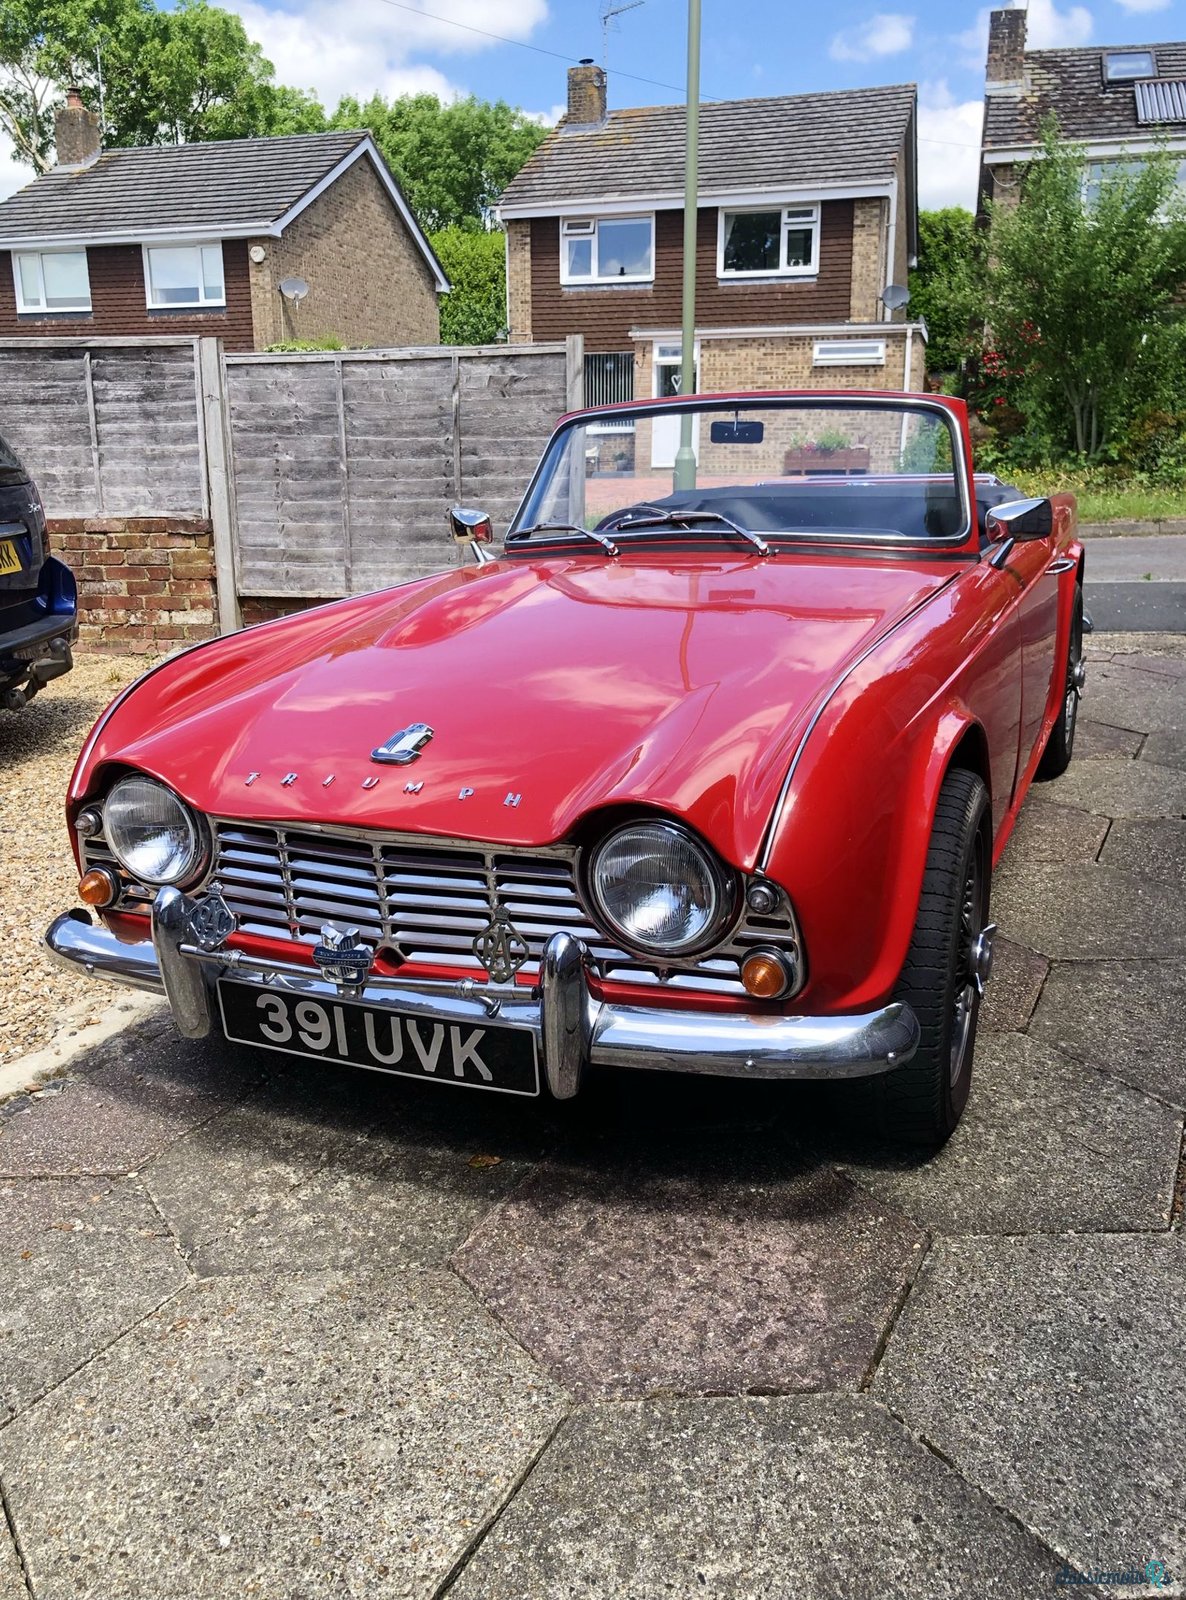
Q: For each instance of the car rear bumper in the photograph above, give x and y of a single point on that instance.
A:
(36, 634)
(573, 1028)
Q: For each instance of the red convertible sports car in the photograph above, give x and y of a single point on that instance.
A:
(706, 771)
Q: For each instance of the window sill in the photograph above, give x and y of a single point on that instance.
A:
(188, 311)
(610, 283)
(768, 277)
(72, 314)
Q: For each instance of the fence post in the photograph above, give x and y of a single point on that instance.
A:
(574, 356)
(218, 478)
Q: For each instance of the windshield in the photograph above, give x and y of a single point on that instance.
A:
(796, 467)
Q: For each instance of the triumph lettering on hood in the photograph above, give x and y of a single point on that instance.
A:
(552, 691)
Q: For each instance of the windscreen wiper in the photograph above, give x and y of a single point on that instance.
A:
(607, 545)
(675, 519)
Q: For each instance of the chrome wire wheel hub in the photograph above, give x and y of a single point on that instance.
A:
(1076, 679)
(975, 946)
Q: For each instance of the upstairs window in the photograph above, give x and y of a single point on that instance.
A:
(1097, 173)
(607, 250)
(779, 242)
(52, 280)
(1122, 66)
(183, 275)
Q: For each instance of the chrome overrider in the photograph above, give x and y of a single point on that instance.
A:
(573, 1029)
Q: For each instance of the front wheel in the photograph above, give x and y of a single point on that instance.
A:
(946, 968)
(1060, 746)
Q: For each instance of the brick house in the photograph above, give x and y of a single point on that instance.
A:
(808, 211)
(1118, 102)
(198, 238)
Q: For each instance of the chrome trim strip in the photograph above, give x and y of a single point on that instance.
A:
(763, 862)
(573, 1028)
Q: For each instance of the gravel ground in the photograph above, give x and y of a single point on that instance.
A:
(38, 747)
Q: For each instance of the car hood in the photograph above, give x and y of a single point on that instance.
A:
(553, 687)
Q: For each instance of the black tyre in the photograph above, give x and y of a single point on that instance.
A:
(947, 965)
(1060, 746)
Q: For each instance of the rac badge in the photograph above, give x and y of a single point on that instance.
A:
(403, 747)
(342, 958)
(500, 948)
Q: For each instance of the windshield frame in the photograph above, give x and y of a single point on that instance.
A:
(770, 399)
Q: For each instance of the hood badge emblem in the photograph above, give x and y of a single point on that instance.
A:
(403, 747)
(500, 947)
(343, 959)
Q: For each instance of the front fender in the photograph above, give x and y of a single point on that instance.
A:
(851, 841)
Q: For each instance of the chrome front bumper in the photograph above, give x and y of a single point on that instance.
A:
(573, 1029)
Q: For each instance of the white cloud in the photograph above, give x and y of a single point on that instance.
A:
(547, 119)
(14, 174)
(886, 34)
(1047, 28)
(1145, 5)
(369, 47)
(948, 147)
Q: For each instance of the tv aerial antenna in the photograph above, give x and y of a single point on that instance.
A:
(611, 10)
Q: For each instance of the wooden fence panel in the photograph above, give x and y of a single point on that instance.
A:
(344, 466)
(106, 427)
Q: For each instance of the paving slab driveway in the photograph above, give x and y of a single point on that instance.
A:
(279, 1331)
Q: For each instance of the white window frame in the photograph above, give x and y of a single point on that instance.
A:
(795, 215)
(202, 303)
(41, 309)
(587, 228)
(849, 353)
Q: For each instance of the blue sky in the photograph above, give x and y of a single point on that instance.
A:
(750, 47)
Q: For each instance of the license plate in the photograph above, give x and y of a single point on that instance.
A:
(10, 561)
(499, 1059)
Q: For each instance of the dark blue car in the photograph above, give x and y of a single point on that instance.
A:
(38, 599)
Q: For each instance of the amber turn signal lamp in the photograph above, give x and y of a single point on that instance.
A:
(98, 887)
(765, 974)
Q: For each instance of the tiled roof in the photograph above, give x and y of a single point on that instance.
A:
(219, 186)
(1070, 83)
(848, 135)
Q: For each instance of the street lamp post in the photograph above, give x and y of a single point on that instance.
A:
(685, 458)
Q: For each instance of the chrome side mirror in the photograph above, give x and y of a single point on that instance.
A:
(1020, 519)
(472, 528)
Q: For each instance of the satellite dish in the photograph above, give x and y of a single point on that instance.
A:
(294, 289)
(893, 296)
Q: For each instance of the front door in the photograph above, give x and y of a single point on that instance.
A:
(665, 430)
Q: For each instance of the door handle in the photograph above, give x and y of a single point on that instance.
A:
(1062, 564)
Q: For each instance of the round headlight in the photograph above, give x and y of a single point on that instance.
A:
(657, 887)
(152, 833)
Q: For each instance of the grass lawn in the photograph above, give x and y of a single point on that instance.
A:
(1101, 501)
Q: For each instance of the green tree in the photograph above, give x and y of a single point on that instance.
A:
(452, 161)
(168, 76)
(1083, 300)
(947, 286)
(475, 264)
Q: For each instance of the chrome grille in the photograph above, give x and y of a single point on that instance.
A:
(426, 901)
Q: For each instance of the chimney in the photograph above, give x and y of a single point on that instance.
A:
(76, 134)
(586, 95)
(1006, 49)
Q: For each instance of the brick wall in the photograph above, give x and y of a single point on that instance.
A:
(868, 260)
(519, 280)
(145, 584)
(369, 285)
(118, 307)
